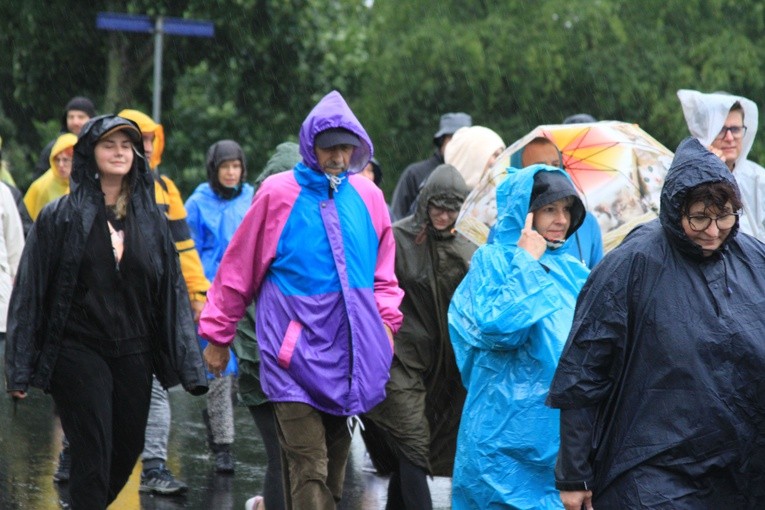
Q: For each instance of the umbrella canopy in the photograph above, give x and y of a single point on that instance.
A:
(617, 168)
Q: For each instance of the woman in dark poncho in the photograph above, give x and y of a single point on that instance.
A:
(99, 305)
(661, 382)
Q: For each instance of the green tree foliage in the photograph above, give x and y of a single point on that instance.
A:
(401, 64)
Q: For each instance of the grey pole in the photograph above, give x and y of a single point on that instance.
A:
(157, 107)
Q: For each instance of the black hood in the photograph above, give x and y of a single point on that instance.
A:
(550, 187)
(224, 150)
(84, 169)
(692, 166)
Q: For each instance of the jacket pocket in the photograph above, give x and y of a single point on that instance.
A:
(289, 342)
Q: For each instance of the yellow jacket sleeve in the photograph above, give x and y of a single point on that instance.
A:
(170, 201)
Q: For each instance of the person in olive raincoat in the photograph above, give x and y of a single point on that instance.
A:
(508, 322)
(661, 384)
(420, 416)
(98, 306)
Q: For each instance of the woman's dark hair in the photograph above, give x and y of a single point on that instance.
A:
(713, 194)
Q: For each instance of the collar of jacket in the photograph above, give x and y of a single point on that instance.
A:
(316, 181)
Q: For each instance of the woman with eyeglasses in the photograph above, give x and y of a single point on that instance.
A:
(661, 384)
(728, 124)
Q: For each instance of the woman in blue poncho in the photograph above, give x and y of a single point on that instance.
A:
(508, 322)
(215, 210)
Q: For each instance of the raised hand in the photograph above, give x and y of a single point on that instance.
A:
(530, 239)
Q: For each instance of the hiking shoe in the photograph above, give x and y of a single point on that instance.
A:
(161, 481)
(64, 467)
(224, 461)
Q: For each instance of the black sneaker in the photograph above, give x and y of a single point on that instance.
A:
(160, 481)
(64, 467)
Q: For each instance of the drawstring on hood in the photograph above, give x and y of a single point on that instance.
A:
(335, 180)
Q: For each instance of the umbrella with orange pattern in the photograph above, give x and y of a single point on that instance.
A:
(617, 167)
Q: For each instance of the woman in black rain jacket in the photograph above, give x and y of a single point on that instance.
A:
(99, 304)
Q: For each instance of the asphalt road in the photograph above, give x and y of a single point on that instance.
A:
(30, 442)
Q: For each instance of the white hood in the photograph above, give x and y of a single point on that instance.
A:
(705, 115)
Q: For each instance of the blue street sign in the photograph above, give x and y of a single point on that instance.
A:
(137, 23)
(188, 27)
(124, 22)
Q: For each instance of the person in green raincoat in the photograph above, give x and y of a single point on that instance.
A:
(508, 322)
(413, 432)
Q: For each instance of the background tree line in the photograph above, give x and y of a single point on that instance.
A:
(400, 63)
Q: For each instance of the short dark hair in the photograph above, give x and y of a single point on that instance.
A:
(712, 194)
(737, 108)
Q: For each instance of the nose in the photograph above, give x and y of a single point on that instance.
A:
(728, 135)
(712, 230)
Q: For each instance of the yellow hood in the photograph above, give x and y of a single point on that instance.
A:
(147, 125)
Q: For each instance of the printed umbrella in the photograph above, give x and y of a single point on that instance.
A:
(617, 167)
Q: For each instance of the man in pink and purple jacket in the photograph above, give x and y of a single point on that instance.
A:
(317, 251)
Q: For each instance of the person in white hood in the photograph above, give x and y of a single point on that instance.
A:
(728, 123)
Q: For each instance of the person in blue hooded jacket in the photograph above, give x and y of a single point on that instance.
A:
(661, 384)
(508, 322)
(587, 243)
(215, 210)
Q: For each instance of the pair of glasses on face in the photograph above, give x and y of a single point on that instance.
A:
(735, 131)
(723, 222)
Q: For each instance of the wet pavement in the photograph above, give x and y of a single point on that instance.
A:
(30, 441)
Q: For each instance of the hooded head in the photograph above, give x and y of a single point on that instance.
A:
(84, 168)
(63, 148)
(706, 114)
(147, 126)
(77, 112)
(285, 157)
(472, 150)
(527, 190)
(445, 189)
(217, 154)
(331, 113)
(692, 167)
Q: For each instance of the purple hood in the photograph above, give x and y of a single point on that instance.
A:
(333, 112)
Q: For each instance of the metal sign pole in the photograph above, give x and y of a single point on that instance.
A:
(157, 107)
(162, 25)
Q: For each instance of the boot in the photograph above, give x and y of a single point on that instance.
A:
(224, 459)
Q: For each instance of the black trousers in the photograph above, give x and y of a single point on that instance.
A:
(273, 490)
(103, 403)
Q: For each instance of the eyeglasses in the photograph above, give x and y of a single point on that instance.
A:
(736, 131)
(438, 211)
(62, 161)
(700, 223)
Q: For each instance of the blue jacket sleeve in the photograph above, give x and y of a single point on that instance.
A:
(505, 292)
